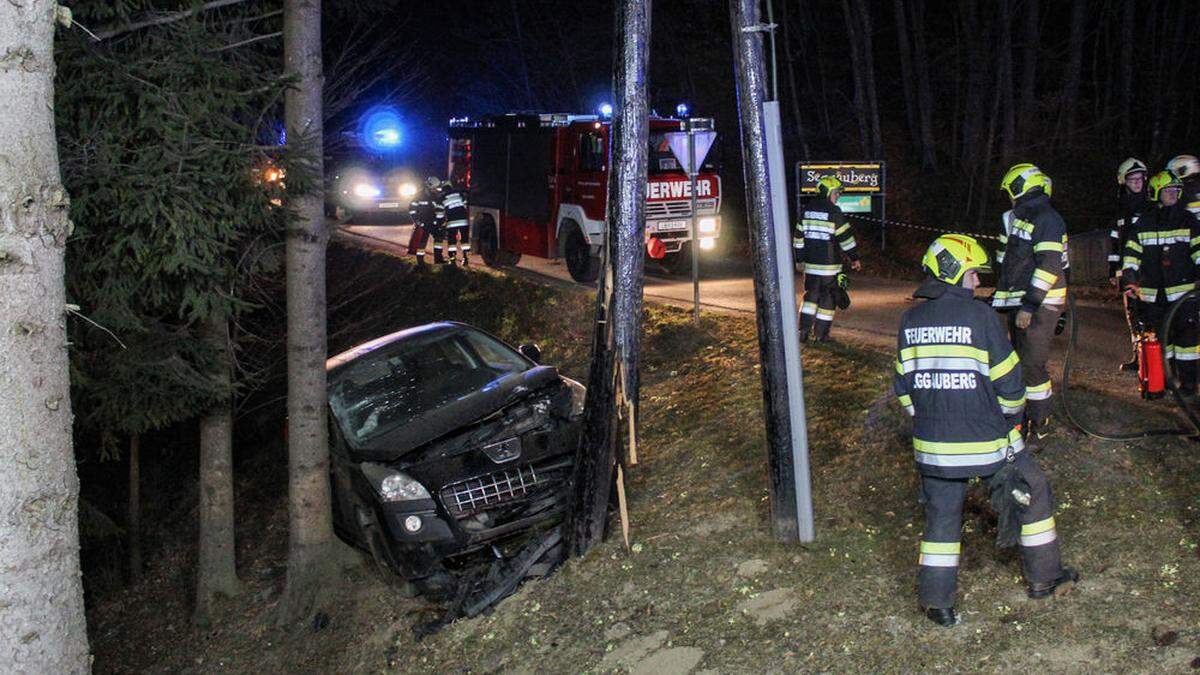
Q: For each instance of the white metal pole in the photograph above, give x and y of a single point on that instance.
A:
(791, 346)
(695, 246)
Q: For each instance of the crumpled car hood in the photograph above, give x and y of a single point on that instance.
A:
(457, 414)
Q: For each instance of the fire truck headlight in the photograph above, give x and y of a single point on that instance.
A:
(366, 190)
(408, 190)
(707, 226)
(708, 243)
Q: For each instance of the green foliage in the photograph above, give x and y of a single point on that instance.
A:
(163, 134)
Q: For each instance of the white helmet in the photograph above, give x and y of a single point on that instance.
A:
(1131, 165)
(1184, 165)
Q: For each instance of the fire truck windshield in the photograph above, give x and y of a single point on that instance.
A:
(662, 160)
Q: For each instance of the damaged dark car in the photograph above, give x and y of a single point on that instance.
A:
(448, 447)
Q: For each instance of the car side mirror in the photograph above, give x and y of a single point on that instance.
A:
(531, 351)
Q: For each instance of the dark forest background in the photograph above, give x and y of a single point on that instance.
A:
(948, 93)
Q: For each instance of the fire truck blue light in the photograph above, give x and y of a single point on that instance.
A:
(606, 110)
(681, 110)
(380, 129)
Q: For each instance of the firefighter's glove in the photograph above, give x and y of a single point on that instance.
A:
(1024, 318)
(1009, 494)
(1061, 325)
(856, 265)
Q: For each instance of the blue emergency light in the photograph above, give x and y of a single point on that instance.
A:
(606, 110)
(380, 129)
(681, 110)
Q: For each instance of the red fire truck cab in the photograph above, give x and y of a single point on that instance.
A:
(537, 185)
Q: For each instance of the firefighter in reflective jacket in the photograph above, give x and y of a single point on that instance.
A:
(1187, 168)
(1160, 267)
(1131, 176)
(1031, 286)
(426, 215)
(960, 379)
(457, 230)
(821, 239)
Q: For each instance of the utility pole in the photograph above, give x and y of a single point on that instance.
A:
(613, 378)
(774, 286)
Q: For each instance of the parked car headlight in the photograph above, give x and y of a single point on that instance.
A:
(392, 485)
(578, 396)
(408, 190)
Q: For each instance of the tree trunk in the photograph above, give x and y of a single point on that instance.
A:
(1005, 73)
(612, 379)
(133, 509)
(924, 89)
(310, 520)
(216, 571)
(1074, 71)
(976, 74)
(868, 56)
(860, 94)
(1029, 61)
(43, 630)
(1128, 10)
(907, 81)
(794, 91)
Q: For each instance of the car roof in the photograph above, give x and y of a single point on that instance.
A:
(365, 348)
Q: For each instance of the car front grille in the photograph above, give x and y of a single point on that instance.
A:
(678, 209)
(470, 496)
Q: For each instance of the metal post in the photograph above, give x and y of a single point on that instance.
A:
(786, 273)
(882, 206)
(692, 172)
(773, 333)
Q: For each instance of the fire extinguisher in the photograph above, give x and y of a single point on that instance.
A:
(1151, 379)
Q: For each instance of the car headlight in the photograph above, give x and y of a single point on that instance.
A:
(392, 485)
(708, 225)
(408, 190)
(578, 396)
(366, 190)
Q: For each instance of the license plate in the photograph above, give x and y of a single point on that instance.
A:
(671, 225)
(389, 205)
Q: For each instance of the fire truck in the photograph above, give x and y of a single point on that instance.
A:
(537, 185)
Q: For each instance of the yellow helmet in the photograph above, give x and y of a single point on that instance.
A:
(1131, 165)
(951, 255)
(1161, 181)
(827, 185)
(1024, 178)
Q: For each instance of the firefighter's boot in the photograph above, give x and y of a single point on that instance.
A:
(942, 616)
(438, 258)
(1045, 590)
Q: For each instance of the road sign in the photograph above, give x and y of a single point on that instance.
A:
(854, 203)
(678, 140)
(858, 177)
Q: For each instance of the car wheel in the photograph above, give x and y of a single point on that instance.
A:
(489, 247)
(583, 266)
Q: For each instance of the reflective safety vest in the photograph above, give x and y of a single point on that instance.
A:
(960, 379)
(455, 204)
(1132, 204)
(1191, 194)
(1162, 253)
(821, 237)
(1032, 256)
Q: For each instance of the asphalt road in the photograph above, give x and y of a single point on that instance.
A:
(872, 318)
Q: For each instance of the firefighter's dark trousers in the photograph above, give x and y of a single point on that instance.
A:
(1033, 348)
(816, 314)
(459, 238)
(1183, 345)
(941, 545)
(439, 244)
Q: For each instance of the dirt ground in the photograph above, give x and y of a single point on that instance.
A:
(704, 587)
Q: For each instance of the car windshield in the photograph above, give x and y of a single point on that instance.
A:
(662, 160)
(398, 384)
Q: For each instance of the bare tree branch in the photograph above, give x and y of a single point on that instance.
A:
(161, 19)
(243, 43)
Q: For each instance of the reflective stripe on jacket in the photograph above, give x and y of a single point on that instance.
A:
(1132, 204)
(1162, 253)
(822, 236)
(1033, 257)
(960, 379)
(454, 201)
